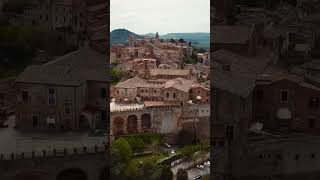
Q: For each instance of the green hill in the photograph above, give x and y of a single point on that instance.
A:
(199, 40)
(120, 36)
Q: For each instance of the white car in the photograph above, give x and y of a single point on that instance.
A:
(207, 163)
(200, 166)
(167, 145)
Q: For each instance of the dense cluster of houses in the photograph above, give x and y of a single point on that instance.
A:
(157, 77)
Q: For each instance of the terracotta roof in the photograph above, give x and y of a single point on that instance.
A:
(132, 83)
(177, 72)
(180, 84)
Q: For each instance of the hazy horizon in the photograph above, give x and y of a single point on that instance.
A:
(166, 16)
(155, 32)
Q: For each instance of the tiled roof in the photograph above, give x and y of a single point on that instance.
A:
(132, 83)
(177, 72)
(180, 84)
(70, 70)
(231, 34)
(241, 76)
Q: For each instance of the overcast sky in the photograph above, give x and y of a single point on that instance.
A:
(163, 16)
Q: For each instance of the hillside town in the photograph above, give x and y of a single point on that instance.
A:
(159, 92)
(265, 118)
(155, 75)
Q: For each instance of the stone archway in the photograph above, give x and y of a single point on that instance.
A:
(118, 126)
(146, 121)
(132, 124)
(72, 174)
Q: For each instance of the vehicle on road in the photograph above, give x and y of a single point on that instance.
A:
(167, 145)
(199, 166)
(207, 163)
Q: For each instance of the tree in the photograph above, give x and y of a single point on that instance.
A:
(166, 173)
(133, 172)
(182, 174)
(121, 154)
(148, 168)
(136, 144)
(116, 75)
(121, 150)
(181, 40)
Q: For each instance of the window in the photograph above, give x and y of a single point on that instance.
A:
(52, 96)
(174, 95)
(167, 95)
(260, 95)
(297, 157)
(314, 103)
(313, 156)
(311, 122)
(35, 121)
(141, 90)
(67, 108)
(198, 92)
(103, 92)
(230, 132)
(284, 95)
(155, 91)
(25, 96)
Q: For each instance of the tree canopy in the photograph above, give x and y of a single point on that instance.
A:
(182, 174)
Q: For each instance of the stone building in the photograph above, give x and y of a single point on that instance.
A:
(67, 93)
(169, 73)
(178, 90)
(75, 21)
(238, 39)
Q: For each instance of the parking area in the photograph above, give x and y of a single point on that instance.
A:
(197, 172)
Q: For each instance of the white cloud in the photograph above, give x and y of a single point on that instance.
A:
(164, 16)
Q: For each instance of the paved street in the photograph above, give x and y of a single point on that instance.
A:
(186, 165)
(192, 173)
(12, 140)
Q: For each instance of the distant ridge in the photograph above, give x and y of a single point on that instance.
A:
(198, 39)
(120, 36)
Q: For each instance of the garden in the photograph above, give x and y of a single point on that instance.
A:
(144, 156)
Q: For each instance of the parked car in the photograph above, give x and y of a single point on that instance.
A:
(167, 145)
(199, 166)
(207, 163)
(197, 177)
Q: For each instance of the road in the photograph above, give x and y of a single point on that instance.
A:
(192, 173)
(14, 141)
(187, 165)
